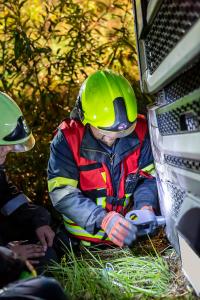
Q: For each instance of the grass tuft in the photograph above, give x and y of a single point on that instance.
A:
(113, 274)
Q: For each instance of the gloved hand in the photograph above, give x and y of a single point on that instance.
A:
(145, 220)
(119, 230)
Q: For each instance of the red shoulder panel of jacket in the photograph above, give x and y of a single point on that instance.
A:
(73, 131)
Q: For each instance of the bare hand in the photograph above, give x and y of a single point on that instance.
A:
(30, 251)
(45, 235)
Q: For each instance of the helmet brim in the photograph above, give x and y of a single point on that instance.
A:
(24, 146)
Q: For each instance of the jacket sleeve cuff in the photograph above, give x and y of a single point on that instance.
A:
(146, 194)
(93, 224)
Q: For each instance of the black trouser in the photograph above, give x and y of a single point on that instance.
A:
(14, 232)
(40, 288)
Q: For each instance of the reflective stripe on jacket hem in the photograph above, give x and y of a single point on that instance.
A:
(79, 232)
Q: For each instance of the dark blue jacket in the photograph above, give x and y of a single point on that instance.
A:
(70, 201)
(16, 208)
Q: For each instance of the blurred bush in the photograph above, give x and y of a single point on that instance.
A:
(47, 48)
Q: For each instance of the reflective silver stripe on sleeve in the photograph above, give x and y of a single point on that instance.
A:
(13, 204)
(60, 193)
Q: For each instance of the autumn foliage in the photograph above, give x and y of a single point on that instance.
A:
(47, 48)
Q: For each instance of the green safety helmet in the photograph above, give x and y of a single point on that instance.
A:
(107, 101)
(13, 128)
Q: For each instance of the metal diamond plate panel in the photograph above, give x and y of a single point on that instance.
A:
(172, 22)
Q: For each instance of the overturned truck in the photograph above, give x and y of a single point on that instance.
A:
(168, 42)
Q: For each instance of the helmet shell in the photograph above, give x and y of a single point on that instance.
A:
(98, 95)
(11, 117)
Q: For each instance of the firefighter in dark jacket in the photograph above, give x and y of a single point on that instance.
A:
(18, 280)
(20, 220)
(101, 164)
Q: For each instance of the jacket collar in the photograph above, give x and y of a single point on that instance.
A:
(92, 149)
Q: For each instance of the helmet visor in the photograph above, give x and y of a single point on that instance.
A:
(21, 131)
(118, 134)
(25, 146)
